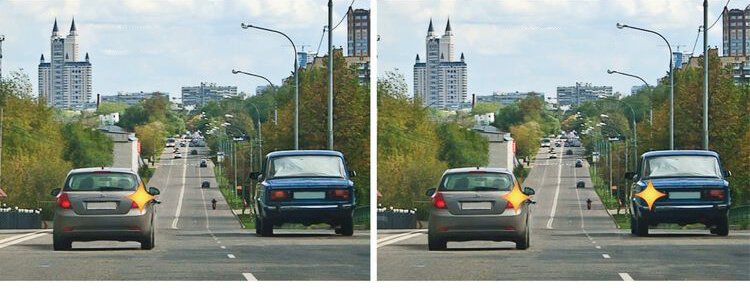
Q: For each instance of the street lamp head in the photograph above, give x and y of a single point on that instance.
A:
(620, 25)
(235, 71)
(610, 71)
(245, 26)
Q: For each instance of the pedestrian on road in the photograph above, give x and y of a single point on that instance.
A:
(588, 203)
(213, 203)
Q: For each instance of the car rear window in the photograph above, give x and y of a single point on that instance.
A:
(306, 166)
(682, 166)
(476, 181)
(101, 181)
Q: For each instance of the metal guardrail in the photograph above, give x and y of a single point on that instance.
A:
(362, 215)
(397, 218)
(15, 218)
(739, 215)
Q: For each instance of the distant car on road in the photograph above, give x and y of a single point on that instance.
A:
(306, 187)
(569, 152)
(204, 163)
(193, 152)
(580, 184)
(205, 184)
(545, 142)
(177, 155)
(467, 206)
(171, 142)
(94, 204)
(552, 155)
(183, 144)
(579, 163)
(694, 188)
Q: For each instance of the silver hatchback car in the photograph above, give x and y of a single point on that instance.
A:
(479, 204)
(104, 204)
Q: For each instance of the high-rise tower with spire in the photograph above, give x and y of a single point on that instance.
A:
(65, 81)
(441, 79)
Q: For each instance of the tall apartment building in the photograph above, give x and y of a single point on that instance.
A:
(131, 98)
(440, 80)
(581, 92)
(206, 92)
(358, 32)
(64, 81)
(736, 31)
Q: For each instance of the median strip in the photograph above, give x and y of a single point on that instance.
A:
(606, 256)
(231, 256)
(396, 240)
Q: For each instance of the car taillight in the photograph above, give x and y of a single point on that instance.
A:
(63, 201)
(339, 194)
(438, 201)
(133, 205)
(278, 195)
(508, 204)
(716, 194)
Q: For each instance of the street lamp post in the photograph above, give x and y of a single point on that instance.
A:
(650, 96)
(260, 135)
(275, 113)
(671, 81)
(296, 80)
(635, 130)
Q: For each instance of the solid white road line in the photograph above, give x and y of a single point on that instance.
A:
(182, 191)
(606, 256)
(249, 276)
(230, 256)
(625, 277)
(396, 240)
(381, 240)
(557, 192)
(21, 236)
(26, 238)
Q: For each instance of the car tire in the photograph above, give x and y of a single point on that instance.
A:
(148, 243)
(722, 227)
(347, 226)
(641, 227)
(257, 225)
(266, 227)
(633, 226)
(524, 242)
(435, 243)
(60, 243)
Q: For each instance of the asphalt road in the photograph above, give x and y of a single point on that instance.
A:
(569, 242)
(193, 242)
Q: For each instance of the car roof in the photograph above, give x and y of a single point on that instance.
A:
(305, 152)
(95, 169)
(483, 169)
(680, 152)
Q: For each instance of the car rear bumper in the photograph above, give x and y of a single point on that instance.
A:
(307, 214)
(684, 214)
(132, 226)
(452, 227)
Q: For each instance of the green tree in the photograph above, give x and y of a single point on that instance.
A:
(461, 147)
(151, 137)
(86, 147)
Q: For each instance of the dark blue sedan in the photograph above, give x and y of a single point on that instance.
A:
(680, 187)
(305, 187)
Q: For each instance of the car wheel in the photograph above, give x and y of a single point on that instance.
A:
(722, 227)
(523, 242)
(347, 226)
(435, 243)
(148, 242)
(633, 225)
(266, 227)
(257, 225)
(641, 227)
(60, 243)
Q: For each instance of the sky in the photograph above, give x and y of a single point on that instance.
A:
(162, 45)
(537, 45)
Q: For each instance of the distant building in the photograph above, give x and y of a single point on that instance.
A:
(680, 59)
(206, 92)
(65, 82)
(636, 89)
(358, 32)
(484, 119)
(738, 65)
(441, 80)
(361, 63)
(581, 92)
(302, 59)
(109, 119)
(131, 98)
(736, 31)
(260, 89)
(507, 98)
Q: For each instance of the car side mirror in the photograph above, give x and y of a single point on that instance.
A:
(55, 192)
(430, 192)
(256, 175)
(529, 191)
(153, 191)
(352, 173)
(629, 175)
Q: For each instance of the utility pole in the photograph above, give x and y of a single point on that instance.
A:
(705, 75)
(2, 38)
(330, 75)
(1, 139)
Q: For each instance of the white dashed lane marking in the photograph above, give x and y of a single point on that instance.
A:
(249, 276)
(606, 256)
(625, 277)
(231, 256)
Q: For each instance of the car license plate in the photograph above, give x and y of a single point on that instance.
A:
(685, 195)
(476, 205)
(101, 205)
(309, 195)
